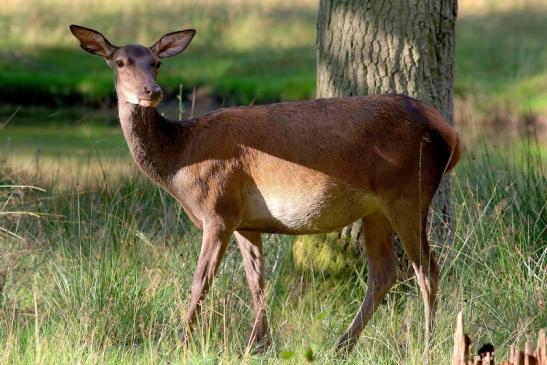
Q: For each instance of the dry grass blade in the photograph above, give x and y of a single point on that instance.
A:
(23, 187)
(2, 125)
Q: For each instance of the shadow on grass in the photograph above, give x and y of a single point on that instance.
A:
(68, 76)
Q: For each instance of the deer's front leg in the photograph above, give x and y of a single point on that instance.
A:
(216, 234)
(250, 245)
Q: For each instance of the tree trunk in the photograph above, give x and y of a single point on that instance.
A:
(367, 47)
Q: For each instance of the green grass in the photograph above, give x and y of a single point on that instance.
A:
(60, 133)
(501, 59)
(70, 74)
(102, 274)
(244, 51)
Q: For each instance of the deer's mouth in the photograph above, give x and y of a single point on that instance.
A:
(149, 103)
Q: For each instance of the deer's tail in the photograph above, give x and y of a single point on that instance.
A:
(452, 139)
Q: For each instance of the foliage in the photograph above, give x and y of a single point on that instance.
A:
(326, 253)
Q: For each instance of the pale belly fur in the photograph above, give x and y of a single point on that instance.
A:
(304, 208)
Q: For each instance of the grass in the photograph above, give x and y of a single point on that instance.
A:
(101, 274)
(245, 51)
(501, 58)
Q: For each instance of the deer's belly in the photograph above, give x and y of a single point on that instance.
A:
(307, 209)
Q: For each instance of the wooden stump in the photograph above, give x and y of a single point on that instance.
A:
(462, 343)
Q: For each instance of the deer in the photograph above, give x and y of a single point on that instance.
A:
(292, 168)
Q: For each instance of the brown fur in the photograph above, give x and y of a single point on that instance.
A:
(293, 168)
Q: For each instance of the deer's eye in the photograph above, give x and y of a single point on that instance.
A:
(119, 63)
(158, 64)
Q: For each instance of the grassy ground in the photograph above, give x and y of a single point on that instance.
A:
(501, 58)
(102, 276)
(253, 51)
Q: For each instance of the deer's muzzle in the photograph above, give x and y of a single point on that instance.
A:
(151, 96)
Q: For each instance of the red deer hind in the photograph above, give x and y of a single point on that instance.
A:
(291, 168)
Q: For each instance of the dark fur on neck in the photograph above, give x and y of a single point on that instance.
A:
(154, 141)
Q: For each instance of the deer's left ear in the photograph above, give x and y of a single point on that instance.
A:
(173, 43)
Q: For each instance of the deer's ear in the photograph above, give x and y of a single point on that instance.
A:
(174, 43)
(93, 41)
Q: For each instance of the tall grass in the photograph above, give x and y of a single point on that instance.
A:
(103, 276)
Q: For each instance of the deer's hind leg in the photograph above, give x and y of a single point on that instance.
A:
(408, 217)
(416, 245)
(378, 236)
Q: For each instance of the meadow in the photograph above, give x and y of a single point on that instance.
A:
(102, 275)
(96, 261)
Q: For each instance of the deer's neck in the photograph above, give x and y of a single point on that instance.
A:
(154, 142)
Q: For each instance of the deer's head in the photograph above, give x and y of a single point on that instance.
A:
(135, 66)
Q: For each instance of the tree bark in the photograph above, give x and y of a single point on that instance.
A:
(367, 47)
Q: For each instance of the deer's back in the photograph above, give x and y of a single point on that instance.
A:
(348, 138)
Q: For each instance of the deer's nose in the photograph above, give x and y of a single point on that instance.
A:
(153, 92)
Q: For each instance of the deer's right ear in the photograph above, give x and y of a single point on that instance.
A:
(173, 43)
(93, 41)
